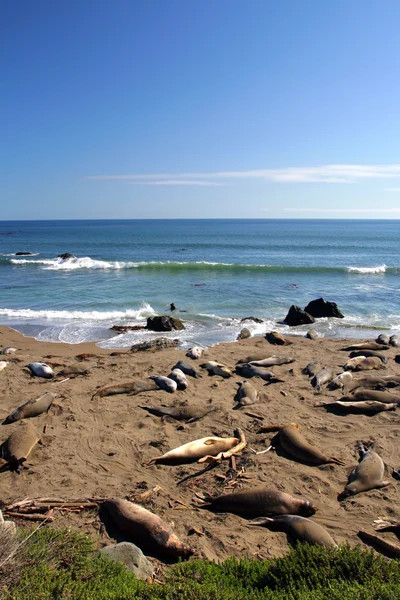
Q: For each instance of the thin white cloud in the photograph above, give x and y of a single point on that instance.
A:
(392, 189)
(175, 182)
(340, 173)
(344, 210)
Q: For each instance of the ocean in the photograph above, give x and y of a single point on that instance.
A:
(216, 272)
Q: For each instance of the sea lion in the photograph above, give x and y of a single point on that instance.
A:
(186, 368)
(367, 353)
(394, 341)
(193, 451)
(165, 383)
(40, 369)
(8, 350)
(16, 449)
(32, 408)
(180, 378)
(248, 370)
(274, 337)
(260, 502)
(271, 361)
(312, 368)
(131, 387)
(194, 352)
(383, 339)
(340, 381)
(387, 548)
(295, 445)
(323, 376)
(368, 407)
(215, 368)
(367, 475)
(3, 364)
(74, 371)
(180, 413)
(368, 363)
(246, 394)
(298, 528)
(145, 529)
(372, 395)
(365, 346)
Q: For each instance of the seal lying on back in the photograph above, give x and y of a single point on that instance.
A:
(246, 394)
(260, 502)
(186, 368)
(40, 369)
(365, 346)
(323, 376)
(180, 413)
(145, 529)
(271, 361)
(364, 408)
(193, 451)
(32, 408)
(131, 387)
(295, 444)
(298, 528)
(367, 475)
(16, 449)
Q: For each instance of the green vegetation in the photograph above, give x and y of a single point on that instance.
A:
(64, 565)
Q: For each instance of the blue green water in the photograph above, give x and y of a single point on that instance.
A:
(216, 271)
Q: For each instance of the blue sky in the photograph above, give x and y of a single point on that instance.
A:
(199, 108)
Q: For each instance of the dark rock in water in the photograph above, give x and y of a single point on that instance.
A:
(244, 334)
(131, 557)
(23, 254)
(154, 345)
(297, 316)
(397, 358)
(255, 319)
(66, 256)
(125, 328)
(312, 334)
(164, 323)
(322, 308)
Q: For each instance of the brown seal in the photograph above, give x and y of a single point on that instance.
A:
(274, 337)
(368, 353)
(260, 502)
(369, 407)
(271, 361)
(312, 368)
(387, 548)
(246, 394)
(367, 475)
(367, 363)
(74, 371)
(365, 346)
(17, 448)
(131, 387)
(294, 443)
(372, 395)
(325, 375)
(180, 413)
(32, 408)
(298, 528)
(145, 529)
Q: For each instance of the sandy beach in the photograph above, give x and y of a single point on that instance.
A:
(101, 447)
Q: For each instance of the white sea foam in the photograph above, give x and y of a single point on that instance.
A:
(368, 270)
(145, 310)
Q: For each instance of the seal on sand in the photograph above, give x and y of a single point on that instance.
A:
(180, 413)
(194, 352)
(366, 346)
(215, 368)
(32, 408)
(323, 376)
(368, 407)
(193, 451)
(298, 528)
(274, 337)
(271, 361)
(186, 368)
(260, 502)
(367, 475)
(165, 383)
(372, 395)
(144, 528)
(41, 370)
(364, 364)
(340, 381)
(312, 368)
(131, 387)
(180, 378)
(294, 443)
(248, 370)
(16, 449)
(246, 394)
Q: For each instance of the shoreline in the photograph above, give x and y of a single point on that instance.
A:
(82, 436)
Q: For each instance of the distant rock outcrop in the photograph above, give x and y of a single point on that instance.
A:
(322, 308)
(164, 323)
(66, 256)
(297, 316)
(154, 345)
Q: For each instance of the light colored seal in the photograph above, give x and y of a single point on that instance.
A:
(298, 528)
(260, 502)
(180, 378)
(271, 361)
(294, 443)
(215, 368)
(368, 363)
(180, 413)
(193, 451)
(383, 339)
(165, 383)
(17, 448)
(8, 350)
(367, 475)
(340, 381)
(325, 375)
(364, 408)
(246, 394)
(3, 364)
(32, 408)
(195, 352)
(145, 529)
(365, 346)
(186, 368)
(40, 369)
(394, 341)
